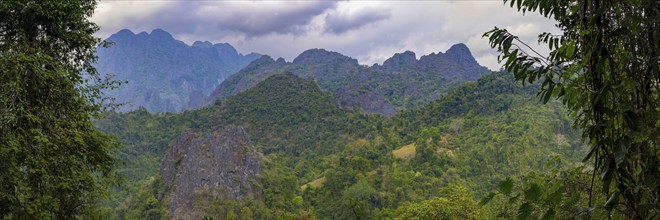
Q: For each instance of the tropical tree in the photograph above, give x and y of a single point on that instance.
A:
(605, 67)
(456, 202)
(54, 163)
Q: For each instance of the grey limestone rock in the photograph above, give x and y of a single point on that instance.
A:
(201, 168)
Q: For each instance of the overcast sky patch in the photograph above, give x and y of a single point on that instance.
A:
(343, 20)
(369, 31)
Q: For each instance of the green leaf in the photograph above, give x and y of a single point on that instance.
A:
(550, 214)
(606, 176)
(570, 49)
(548, 93)
(507, 44)
(591, 152)
(487, 199)
(631, 119)
(506, 186)
(514, 198)
(555, 197)
(620, 153)
(612, 201)
(524, 211)
(534, 192)
(549, 44)
(512, 56)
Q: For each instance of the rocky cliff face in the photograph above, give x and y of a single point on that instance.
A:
(164, 74)
(457, 63)
(400, 62)
(363, 99)
(202, 168)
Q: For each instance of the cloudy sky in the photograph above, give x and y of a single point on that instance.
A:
(370, 31)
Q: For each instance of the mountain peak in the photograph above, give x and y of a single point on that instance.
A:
(160, 34)
(125, 32)
(461, 54)
(223, 45)
(202, 44)
(263, 63)
(400, 61)
(159, 31)
(263, 59)
(315, 56)
(121, 35)
(284, 96)
(226, 50)
(458, 47)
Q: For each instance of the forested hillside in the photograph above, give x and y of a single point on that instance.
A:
(322, 161)
(154, 128)
(402, 82)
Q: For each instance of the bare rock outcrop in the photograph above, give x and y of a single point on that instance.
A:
(202, 168)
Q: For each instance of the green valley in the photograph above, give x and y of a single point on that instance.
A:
(100, 122)
(322, 161)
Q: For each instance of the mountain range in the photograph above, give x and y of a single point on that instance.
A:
(307, 139)
(163, 74)
(167, 75)
(401, 82)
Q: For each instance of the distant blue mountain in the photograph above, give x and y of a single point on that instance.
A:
(164, 74)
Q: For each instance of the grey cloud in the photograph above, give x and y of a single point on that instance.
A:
(284, 29)
(282, 22)
(339, 23)
(214, 19)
